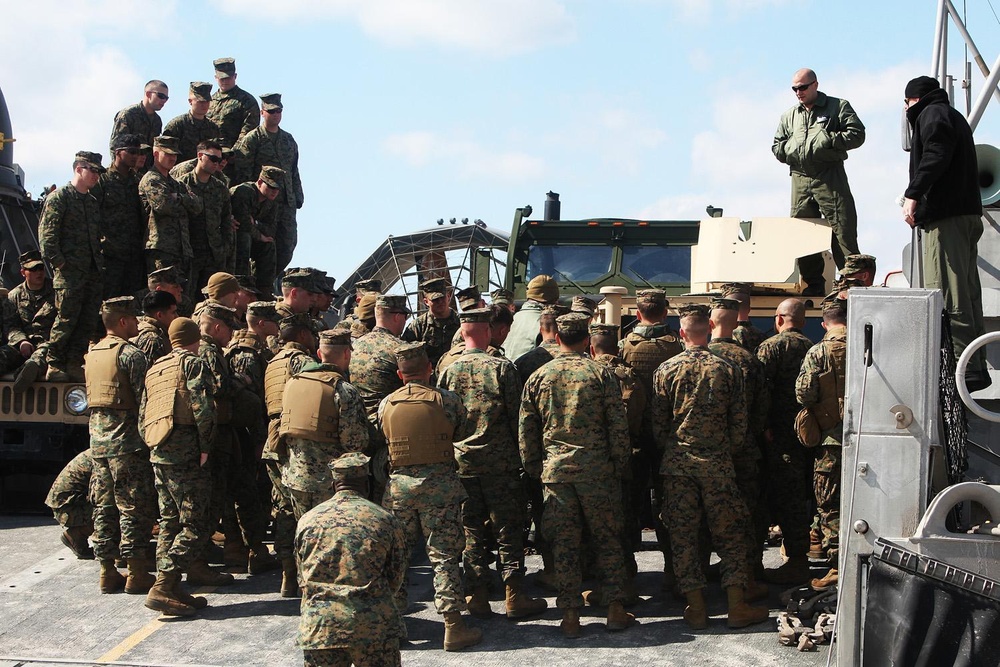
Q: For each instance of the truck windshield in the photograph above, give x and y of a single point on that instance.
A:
(657, 264)
(580, 263)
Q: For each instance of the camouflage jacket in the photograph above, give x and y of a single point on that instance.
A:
(258, 148)
(754, 391)
(307, 468)
(351, 557)
(634, 396)
(748, 336)
(535, 358)
(257, 216)
(456, 352)
(11, 331)
(699, 411)
(115, 432)
(185, 444)
(123, 227)
(236, 112)
(491, 393)
(188, 166)
(135, 120)
(572, 422)
(781, 357)
(223, 388)
(168, 206)
(436, 333)
(373, 367)
(69, 234)
(152, 339)
(36, 310)
(817, 361)
(190, 132)
(248, 356)
(210, 229)
(72, 485)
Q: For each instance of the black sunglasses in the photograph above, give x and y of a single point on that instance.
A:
(162, 96)
(214, 159)
(799, 89)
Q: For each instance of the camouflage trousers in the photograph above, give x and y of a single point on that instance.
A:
(286, 237)
(533, 491)
(123, 276)
(10, 359)
(383, 653)
(717, 499)
(263, 265)
(789, 471)
(303, 501)
(184, 492)
(245, 515)
(826, 488)
(569, 510)
(495, 502)
(748, 483)
(77, 307)
(440, 527)
(201, 268)
(75, 515)
(220, 463)
(124, 499)
(284, 516)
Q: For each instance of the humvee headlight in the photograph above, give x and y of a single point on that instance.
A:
(76, 400)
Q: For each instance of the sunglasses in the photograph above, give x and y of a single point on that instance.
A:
(162, 96)
(93, 170)
(799, 89)
(36, 268)
(272, 111)
(214, 159)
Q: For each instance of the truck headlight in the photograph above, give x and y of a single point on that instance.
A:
(76, 400)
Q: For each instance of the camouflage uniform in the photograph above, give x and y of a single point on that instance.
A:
(436, 333)
(748, 336)
(11, 337)
(699, 411)
(168, 206)
(187, 166)
(352, 560)
(535, 358)
(135, 120)
(36, 310)
(788, 464)
(456, 352)
(210, 229)
(373, 367)
(222, 460)
(190, 132)
(488, 463)
(123, 229)
(257, 217)
(69, 233)
(69, 497)
(574, 437)
(152, 339)
(427, 500)
(183, 486)
(235, 112)
(828, 354)
(122, 487)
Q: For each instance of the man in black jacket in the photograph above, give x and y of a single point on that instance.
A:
(942, 198)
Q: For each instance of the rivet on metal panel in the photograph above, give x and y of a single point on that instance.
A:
(862, 469)
(861, 526)
(903, 415)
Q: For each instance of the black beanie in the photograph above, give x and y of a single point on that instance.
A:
(920, 86)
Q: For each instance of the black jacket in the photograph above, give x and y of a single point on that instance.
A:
(944, 176)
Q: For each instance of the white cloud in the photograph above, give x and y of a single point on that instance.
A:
(470, 159)
(612, 132)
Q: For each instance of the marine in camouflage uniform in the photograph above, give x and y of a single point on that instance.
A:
(168, 206)
(160, 310)
(122, 485)
(574, 438)
(69, 234)
(193, 127)
(142, 118)
(699, 411)
(69, 500)
(352, 556)
(210, 230)
(233, 109)
(34, 305)
(373, 361)
(12, 338)
(437, 325)
(254, 207)
(788, 463)
(269, 145)
(748, 336)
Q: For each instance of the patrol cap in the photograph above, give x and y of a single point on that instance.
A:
(365, 309)
(476, 316)
(221, 284)
(224, 314)
(228, 152)
(353, 465)
(166, 144)
(722, 303)
(584, 304)
(857, 263)
(247, 284)
(298, 320)
(123, 141)
(335, 336)
(392, 303)
(468, 297)
(271, 101)
(31, 259)
(651, 297)
(572, 323)
(693, 310)
(201, 91)
(435, 288)
(168, 275)
(299, 278)
(183, 331)
(543, 288)
(412, 356)
(599, 329)
(119, 305)
(92, 160)
(835, 306)
(273, 176)
(224, 67)
(370, 286)
(736, 288)
(264, 310)
(502, 297)
(555, 310)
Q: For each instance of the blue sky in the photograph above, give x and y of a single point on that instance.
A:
(407, 111)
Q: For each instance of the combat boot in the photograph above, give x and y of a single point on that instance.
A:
(111, 579)
(56, 374)
(200, 574)
(196, 601)
(740, 613)
(696, 613)
(261, 560)
(756, 591)
(828, 581)
(162, 598)
(235, 555)
(793, 572)
(289, 579)
(457, 635)
(519, 604)
(570, 624)
(479, 602)
(816, 550)
(138, 581)
(75, 540)
(26, 375)
(618, 618)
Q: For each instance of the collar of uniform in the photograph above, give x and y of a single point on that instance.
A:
(820, 103)
(314, 365)
(838, 332)
(652, 330)
(726, 339)
(473, 350)
(611, 359)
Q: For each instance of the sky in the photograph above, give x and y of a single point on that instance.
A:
(407, 111)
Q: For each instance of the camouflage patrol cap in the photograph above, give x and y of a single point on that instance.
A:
(123, 141)
(183, 331)
(224, 67)
(722, 303)
(584, 304)
(736, 288)
(201, 91)
(264, 310)
(598, 329)
(366, 306)
(228, 152)
(835, 306)
(272, 176)
(476, 316)
(698, 310)
(335, 336)
(221, 284)
(31, 259)
(168, 275)
(857, 263)
(92, 160)
(298, 320)
(271, 101)
(166, 144)
(328, 285)
(392, 303)
(353, 465)
(543, 288)
(435, 288)
(468, 297)
(412, 355)
(502, 297)
(572, 323)
(119, 305)
(555, 310)
(299, 278)
(247, 284)
(370, 286)
(651, 297)
(224, 314)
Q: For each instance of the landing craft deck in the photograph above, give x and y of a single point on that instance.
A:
(51, 613)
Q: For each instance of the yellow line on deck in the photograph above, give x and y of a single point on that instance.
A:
(132, 641)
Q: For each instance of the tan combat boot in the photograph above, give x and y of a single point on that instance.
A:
(261, 560)
(794, 572)
(161, 596)
(200, 574)
(756, 591)
(740, 613)
(75, 540)
(289, 579)
(196, 601)
(457, 635)
(816, 550)
(138, 581)
(479, 602)
(235, 554)
(111, 580)
(520, 605)
(696, 613)
(570, 624)
(618, 618)
(826, 582)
